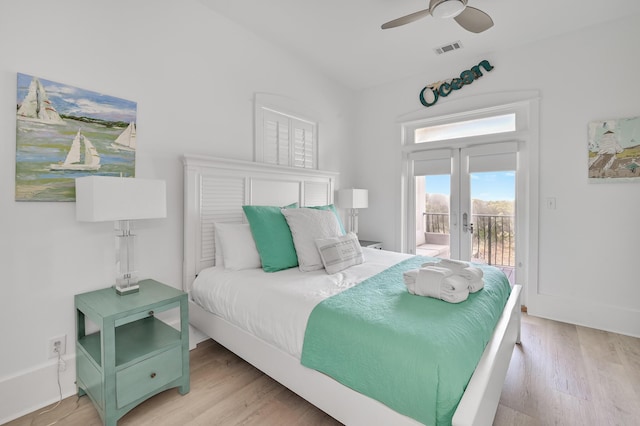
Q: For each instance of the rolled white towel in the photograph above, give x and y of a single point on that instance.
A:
(474, 278)
(430, 280)
(470, 273)
(409, 278)
(441, 283)
(476, 285)
(435, 273)
(453, 289)
(454, 296)
(453, 264)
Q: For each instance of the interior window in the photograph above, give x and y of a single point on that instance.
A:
(459, 129)
(284, 139)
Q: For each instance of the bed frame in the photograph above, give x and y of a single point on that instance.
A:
(214, 191)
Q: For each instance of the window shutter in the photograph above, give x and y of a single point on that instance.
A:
(275, 138)
(303, 144)
(285, 140)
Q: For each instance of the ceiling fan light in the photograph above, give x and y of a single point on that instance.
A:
(448, 9)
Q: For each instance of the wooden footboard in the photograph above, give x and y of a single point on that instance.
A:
(480, 400)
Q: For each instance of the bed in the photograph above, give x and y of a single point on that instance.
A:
(215, 191)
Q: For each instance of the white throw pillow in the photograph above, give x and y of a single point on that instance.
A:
(340, 252)
(238, 247)
(218, 249)
(307, 225)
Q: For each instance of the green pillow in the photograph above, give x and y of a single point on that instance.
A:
(332, 208)
(272, 236)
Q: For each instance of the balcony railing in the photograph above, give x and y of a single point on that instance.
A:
(493, 239)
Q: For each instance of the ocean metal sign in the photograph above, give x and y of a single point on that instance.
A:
(430, 94)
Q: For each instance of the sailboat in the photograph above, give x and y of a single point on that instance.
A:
(127, 139)
(73, 161)
(36, 106)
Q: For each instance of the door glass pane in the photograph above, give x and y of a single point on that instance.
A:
(432, 215)
(493, 218)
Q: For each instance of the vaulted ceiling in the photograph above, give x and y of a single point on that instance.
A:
(343, 38)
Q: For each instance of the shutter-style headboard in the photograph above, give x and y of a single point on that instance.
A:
(215, 189)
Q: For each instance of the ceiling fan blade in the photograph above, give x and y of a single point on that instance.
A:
(406, 19)
(474, 20)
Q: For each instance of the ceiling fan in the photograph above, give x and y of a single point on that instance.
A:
(469, 18)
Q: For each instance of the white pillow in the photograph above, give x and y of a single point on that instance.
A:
(238, 247)
(340, 252)
(218, 248)
(307, 225)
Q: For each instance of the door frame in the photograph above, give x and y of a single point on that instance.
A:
(526, 135)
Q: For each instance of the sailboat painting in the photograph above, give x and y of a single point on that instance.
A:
(74, 159)
(64, 132)
(127, 139)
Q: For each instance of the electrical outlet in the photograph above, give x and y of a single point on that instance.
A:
(57, 346)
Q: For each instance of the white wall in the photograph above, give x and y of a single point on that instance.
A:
(588, 253)
(193, 75)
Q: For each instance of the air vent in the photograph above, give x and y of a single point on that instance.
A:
(448, 47)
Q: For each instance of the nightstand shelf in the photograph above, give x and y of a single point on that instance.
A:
(134, 355)
(138, 340)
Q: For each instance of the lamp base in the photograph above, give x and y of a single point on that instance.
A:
(123, 291)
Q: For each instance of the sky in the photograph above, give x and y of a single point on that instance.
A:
(488, 186)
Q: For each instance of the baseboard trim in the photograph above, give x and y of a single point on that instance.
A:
(586, 313)
(195, 337)
(34, 389)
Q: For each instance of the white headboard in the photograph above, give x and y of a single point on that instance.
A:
(215, 189)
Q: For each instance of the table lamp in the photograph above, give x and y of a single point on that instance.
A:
(353, 199)
(105, 198)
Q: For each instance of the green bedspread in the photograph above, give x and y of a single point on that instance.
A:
(415, 354)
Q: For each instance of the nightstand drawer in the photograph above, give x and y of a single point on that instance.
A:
(147, 376)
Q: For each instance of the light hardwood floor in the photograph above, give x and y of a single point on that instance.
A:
(561, 375)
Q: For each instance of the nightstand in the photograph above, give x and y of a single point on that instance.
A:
(371, 244)
(133, 355)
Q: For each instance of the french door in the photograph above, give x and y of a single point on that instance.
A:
(465, 203)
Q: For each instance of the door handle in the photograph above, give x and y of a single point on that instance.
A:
(466, 226)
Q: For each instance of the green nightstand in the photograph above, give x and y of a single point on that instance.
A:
(134, 355)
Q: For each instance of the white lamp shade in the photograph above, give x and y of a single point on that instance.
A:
(353, 198)
(105, 198)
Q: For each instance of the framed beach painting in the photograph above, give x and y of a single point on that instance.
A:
(64, 132)
(614, 150)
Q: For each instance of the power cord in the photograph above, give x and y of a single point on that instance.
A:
(61, 365)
